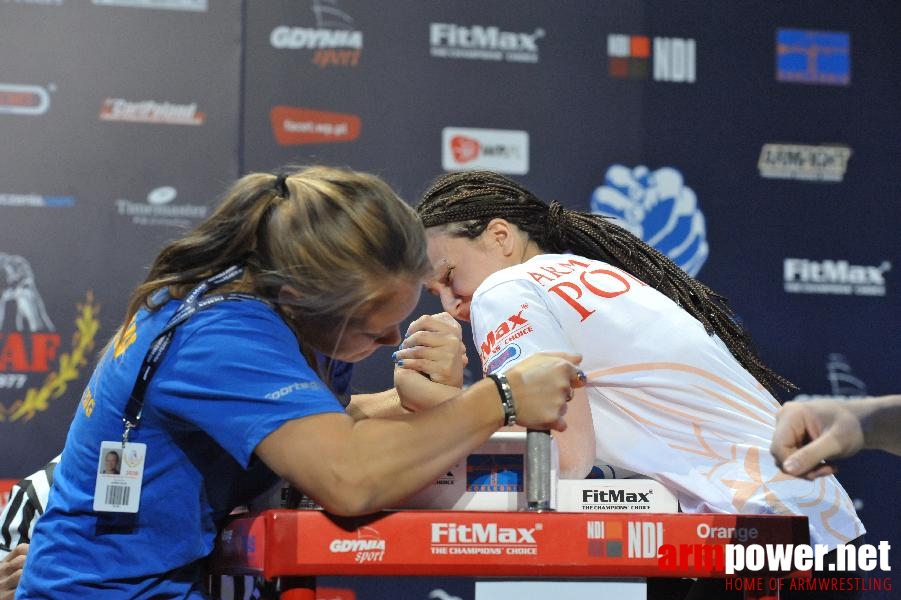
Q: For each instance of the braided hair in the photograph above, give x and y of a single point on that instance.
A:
(463, 203)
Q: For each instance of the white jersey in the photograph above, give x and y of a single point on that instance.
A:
(668, 400)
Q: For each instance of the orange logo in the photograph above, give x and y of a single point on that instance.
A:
(293, 126)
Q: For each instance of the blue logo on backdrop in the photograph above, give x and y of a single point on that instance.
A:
(816, 57)
(659, 208)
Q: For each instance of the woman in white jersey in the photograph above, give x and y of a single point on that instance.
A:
(676, 391)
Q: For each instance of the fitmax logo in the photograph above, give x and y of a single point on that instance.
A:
(511, 325)
(837, 277)
(614, 496)
(478, 42)
(481, 533)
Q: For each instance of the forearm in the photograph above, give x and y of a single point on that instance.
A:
(378, 404)
(356, 467)
(442, 436)
(880, 420)
(417, 392)
(576, 445)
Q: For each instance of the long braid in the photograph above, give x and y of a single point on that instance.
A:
(464, 203)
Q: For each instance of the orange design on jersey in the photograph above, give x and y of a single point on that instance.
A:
(746, 488)
(668, 366)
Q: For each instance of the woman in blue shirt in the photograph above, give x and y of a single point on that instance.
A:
(212, 391)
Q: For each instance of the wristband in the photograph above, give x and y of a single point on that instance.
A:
(506, 394)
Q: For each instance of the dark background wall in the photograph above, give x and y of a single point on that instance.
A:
(755, 142)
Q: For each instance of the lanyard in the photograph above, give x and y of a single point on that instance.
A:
(194, 302)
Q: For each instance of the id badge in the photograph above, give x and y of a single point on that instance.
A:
(120, 472)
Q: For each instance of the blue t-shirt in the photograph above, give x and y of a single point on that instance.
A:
(232, 375)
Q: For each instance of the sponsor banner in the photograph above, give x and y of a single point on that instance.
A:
(38, 362)
(333, 41)
(483, 42)
(834, 277)
(37, 201)
(22, 99)
(501, 150)
(150, 111)
(160, 208)
(476, 543)
(671, 59)
(184, 5)
(615, 495)
(657, 207)
(826, 163)
(813, 57)
(295, 126)
(363, 545)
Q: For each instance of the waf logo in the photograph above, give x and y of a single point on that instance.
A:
(293, 126)
(515, 326)
(35, 368)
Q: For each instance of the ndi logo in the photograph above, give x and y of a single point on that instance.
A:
(673, 59)
(657, 207)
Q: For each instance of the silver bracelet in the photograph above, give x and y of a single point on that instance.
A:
(506, 394)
